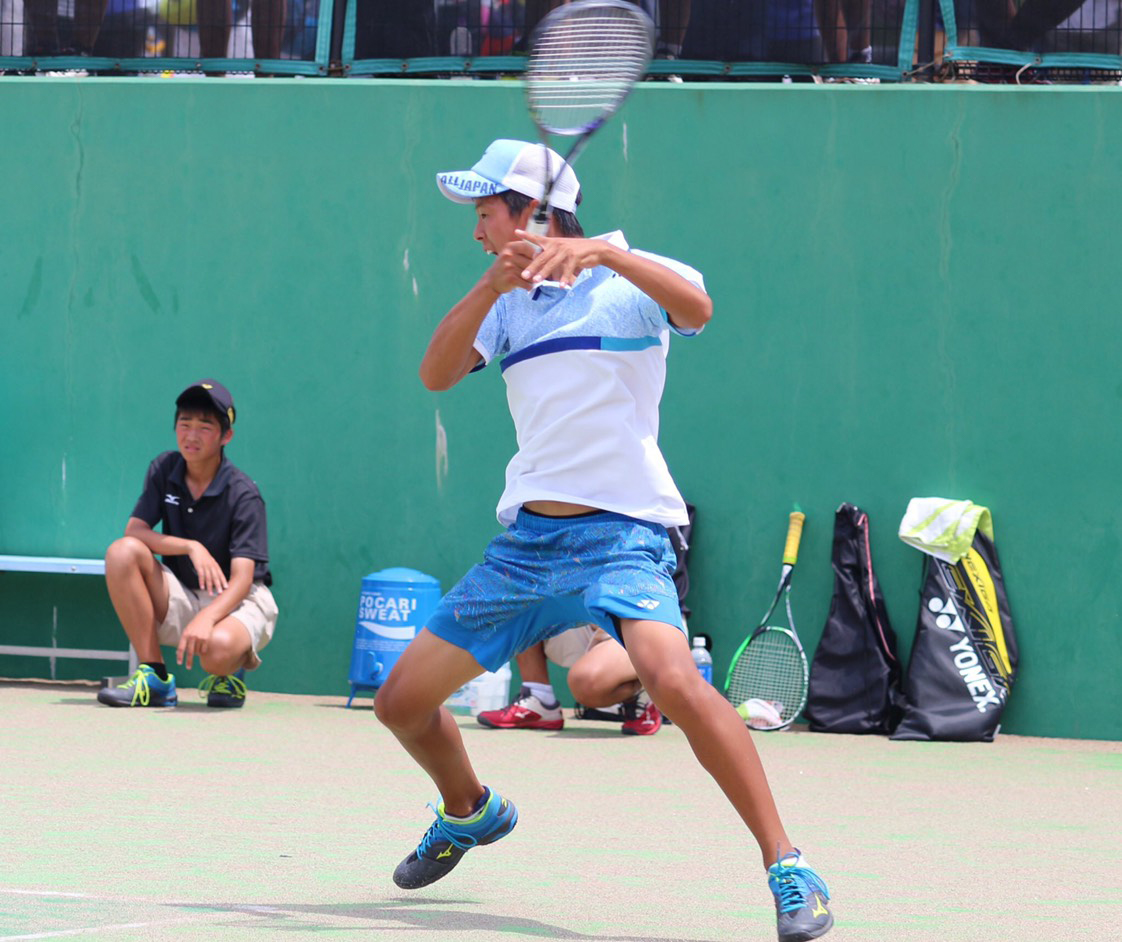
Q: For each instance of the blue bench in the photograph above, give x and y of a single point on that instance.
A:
(66, 566)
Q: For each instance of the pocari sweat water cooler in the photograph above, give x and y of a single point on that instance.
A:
(393, 606)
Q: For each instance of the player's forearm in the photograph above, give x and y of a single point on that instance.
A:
(451, 353)
(157, 542)
(236, 591)
(685, 303)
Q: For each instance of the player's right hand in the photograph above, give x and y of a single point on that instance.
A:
(506, 271)
(212, 579)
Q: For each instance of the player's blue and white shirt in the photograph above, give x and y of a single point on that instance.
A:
(585, 368)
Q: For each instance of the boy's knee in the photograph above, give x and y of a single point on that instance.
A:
(124, 553)
(672, 686)
(226, 651)
(582, 681)
(389, 710)
(400, 712)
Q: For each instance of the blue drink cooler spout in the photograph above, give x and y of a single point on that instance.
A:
(393, 606)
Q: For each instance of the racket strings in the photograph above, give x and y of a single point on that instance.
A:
(584, 65)
(771, 668)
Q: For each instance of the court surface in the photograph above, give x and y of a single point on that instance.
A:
(284, 820)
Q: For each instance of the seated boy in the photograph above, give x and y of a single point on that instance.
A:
(209, 597)
(600, 675)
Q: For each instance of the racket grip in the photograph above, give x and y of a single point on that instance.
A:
(794, 535)
(538, 227)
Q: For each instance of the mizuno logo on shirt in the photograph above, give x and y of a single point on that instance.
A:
(171, 499)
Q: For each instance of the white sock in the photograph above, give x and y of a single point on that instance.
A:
(544, 692)
(799, 861)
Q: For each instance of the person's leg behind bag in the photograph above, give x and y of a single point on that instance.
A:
(604, 676)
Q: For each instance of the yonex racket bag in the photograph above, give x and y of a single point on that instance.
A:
(855, 674)
(964, 658)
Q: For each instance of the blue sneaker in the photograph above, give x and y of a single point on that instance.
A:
(224, 690)
(450, 838)
(143, 689)
(800, 900)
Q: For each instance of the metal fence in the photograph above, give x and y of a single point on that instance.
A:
(698, 40)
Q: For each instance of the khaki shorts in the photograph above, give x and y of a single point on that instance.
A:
(258, 613)
(570, 646)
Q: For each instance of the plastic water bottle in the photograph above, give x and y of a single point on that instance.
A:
(490, 691)
(702, 659)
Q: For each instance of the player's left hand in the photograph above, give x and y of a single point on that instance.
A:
(194, 642)
(561, 260)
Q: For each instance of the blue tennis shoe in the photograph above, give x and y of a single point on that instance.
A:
(448, 839)
(143, 689)
(800, 900)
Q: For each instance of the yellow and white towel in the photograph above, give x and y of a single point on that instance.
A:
(944, 528)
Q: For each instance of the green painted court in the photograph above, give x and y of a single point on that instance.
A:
(285, 820)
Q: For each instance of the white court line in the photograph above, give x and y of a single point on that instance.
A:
(58, 933)
(48, 893)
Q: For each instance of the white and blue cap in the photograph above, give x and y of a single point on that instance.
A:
(513, 165)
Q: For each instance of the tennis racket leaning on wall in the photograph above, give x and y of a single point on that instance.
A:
(585, 59)
(768, 677)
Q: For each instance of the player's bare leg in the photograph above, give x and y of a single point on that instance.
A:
(410, 705)
(717, 735)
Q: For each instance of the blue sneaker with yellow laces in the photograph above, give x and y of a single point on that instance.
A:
(224, 690)
(800, 900)
(143, 689)
(449, 838)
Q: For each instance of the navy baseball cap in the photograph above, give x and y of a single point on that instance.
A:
(211, 394)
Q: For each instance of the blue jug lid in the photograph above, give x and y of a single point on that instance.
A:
(401, 574)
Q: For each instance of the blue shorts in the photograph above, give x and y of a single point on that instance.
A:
(547, 574)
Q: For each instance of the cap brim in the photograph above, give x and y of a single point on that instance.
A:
(463, 186)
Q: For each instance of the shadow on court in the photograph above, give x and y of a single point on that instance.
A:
(458, 916)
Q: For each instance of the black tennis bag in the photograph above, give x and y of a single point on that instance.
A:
(855, 674)
(964, 658)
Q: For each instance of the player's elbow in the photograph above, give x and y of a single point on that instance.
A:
(434, 378)
(693, 315)
(704, 311)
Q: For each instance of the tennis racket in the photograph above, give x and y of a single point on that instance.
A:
(768, 677)
(584, 61)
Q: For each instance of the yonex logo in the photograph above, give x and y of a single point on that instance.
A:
(648, 604)
(946, 615)
(172, 499)
(966, 660)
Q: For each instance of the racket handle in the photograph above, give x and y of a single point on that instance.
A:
(794, 534)
(538, 226)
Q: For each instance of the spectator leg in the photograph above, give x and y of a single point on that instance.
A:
(214, 28)
(88, 16)
(831, 26)
(267, 26)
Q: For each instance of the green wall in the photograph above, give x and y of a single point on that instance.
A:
(915, 296)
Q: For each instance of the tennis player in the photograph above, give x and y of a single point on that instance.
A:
(581, 328)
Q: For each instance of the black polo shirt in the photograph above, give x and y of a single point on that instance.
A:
(229, 519)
